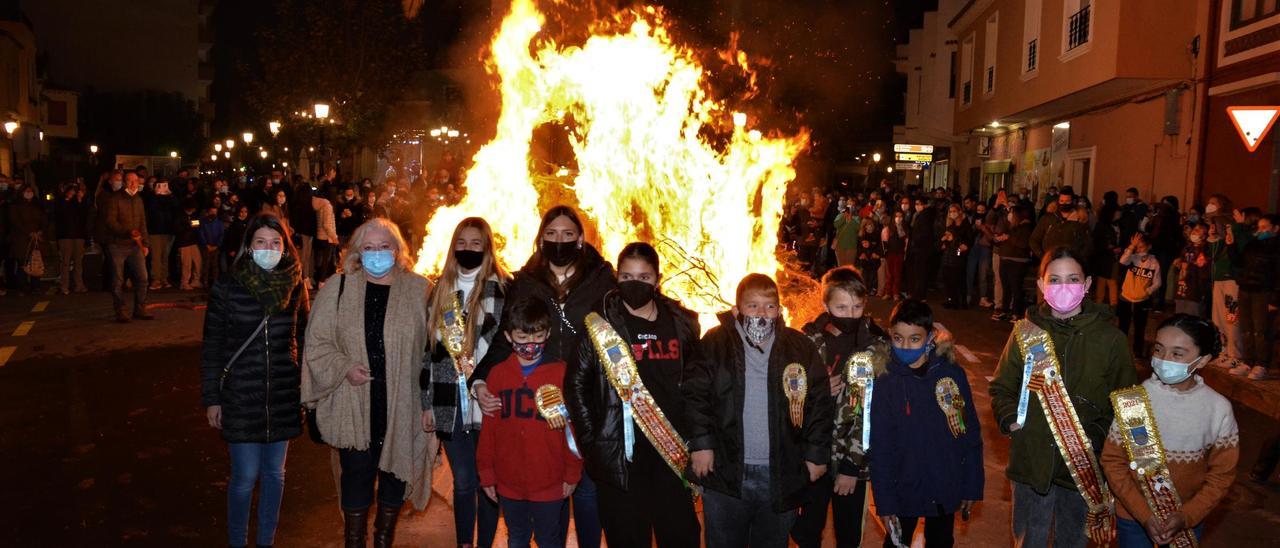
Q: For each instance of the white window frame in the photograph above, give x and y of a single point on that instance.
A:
(1031, 31)
(990, 53)
(968, 45)
(1069, 8)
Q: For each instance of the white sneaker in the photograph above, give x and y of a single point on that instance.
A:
(984, 303)
(1240, 370)
(1223, 361)
(1258, 373)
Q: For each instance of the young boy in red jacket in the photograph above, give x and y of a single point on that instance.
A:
(524, 465)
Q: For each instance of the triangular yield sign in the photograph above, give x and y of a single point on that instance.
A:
(1253, 123)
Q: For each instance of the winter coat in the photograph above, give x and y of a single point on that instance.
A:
(961, 234)
(1073, 235)
(439, 376)
(714, 395)
(302, 216)
(1094, 359)
(162, 212)
(336, 342)
(71, 219)
(848, 457)
(1259, 266)
(595, 278)
(25, 217)
(121, 215)
(210, 232)
(518, 453)
(1195, 282)
(923, 237)
(1106, 245)
(259, 392)
(594, 405)
(1018, 245)
(918, 465)
(184, 229)
(1043, 226)
(846, 231)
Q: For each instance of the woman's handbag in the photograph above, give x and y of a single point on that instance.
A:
(34, 266)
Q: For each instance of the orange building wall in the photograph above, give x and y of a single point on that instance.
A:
(1133, 152)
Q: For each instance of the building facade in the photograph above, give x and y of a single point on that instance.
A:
(19, 96)
(929, 62)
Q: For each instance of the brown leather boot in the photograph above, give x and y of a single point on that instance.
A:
(384, 525)
(355, 526)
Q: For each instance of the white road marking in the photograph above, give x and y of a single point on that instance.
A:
(41, 306)
(964, 351)
(23, 329)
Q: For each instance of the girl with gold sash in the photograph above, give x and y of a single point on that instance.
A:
(1172, 451)
(1053, 400)
(642, 489)
(462, 320)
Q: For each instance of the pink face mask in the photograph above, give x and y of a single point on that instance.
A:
(1064, 298)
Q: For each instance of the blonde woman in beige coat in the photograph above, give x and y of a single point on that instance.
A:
(364, 354)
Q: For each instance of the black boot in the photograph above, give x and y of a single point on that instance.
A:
(384, 525)
(354, 527)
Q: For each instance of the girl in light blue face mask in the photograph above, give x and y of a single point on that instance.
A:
(1192, 425)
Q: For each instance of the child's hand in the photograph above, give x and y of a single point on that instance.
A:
(702, 462)
(489, 403)
(1175, 523)
(491, 492)
(837, 385)
(569, 488)
(845, 485)
(815, 470)
(428, 421)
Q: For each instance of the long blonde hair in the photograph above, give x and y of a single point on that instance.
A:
(447, 285)
(351, 255)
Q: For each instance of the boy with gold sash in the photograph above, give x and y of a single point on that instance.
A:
(1051, 395)
(1172, 451)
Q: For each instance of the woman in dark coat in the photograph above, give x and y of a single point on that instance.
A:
(572, 278)
(26, 233)
(253, 339)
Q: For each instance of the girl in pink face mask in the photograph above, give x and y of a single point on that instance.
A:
(1064, 285)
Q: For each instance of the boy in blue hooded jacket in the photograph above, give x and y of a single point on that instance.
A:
(925, 437)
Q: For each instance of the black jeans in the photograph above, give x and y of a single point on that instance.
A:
(360, 472)
(1012, 276)
(1135, 313)
(920, 277)
(846, 515)
(322, 255)
(733, 522)
(938, 531)
(655, 504)
(1255, 326)
(954, 270)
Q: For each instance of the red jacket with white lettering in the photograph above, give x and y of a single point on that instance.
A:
(518, 453)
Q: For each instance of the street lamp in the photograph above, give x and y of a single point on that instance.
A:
(217, 147)
(93, 149)
(173, 154)
(248, 137)
(213, 157)
(10, 127)
(274, 127)
(263, 154)
(875, 157)
(227, 154)
(322, 110)
(230, 143)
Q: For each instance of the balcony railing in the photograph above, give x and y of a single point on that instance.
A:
(1078, 29)
(1033, 48)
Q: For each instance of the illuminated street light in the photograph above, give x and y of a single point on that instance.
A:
(453, 134)
(93, 149)
(995, 123)
(322, 110)
(263, 154)
(888, 169)
(248, 137)
(213, 157)
(173, 154)
(230, 143)
(274, 127)
(285, 164)
(311, 149)
(217, 147)
(10, 127)
(227, 154)
(739, 119)
(875, 157)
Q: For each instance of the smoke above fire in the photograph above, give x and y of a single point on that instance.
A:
(658, 157)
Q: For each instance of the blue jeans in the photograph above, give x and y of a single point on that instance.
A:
(525, 519)
(470, 508)
(1131, 534)
(255, 463)
(976, 271)
(586, 515)
(733, 522)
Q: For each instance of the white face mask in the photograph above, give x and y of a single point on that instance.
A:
(1210, 209)
(267, 259)
(131, 191)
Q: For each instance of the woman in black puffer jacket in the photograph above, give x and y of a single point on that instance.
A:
(253, 335)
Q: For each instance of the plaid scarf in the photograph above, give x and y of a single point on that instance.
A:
(271, 288)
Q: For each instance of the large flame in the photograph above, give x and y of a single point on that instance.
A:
(640, 120)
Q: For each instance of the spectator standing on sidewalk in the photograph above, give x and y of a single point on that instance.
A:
(162, 212)
(1141, 282)
(1259, 266)
(210, 234)
(326, 238)
(302, 219)
(124, 220)
(1218, 216)
(27, 223)
(232, 236)
(187, 242)
(71, 223)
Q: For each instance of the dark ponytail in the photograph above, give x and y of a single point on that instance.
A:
(1203, 333)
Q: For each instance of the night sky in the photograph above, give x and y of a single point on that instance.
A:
(824, 64)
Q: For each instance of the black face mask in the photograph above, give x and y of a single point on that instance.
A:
(561, 254)
(845, 325)
(469, 259)
(636, 293)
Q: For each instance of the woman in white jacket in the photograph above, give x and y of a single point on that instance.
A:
(326, 238)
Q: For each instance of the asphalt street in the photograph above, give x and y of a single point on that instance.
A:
(105, 443)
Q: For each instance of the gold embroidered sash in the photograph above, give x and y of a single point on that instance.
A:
(638, 405)
(860, 376)
(795, 385)
(453, 335)
(1141, 436)
(550, 402)
(1068, 434)
(952, 404)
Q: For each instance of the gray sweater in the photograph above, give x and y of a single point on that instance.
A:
(755, 403)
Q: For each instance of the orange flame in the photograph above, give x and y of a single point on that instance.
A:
(646, 169)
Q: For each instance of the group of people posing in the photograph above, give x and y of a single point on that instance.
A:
(574, 386)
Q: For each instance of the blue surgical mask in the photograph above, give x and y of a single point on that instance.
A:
(266, 258)
(1171, 372)
(378, 263)
(908, 356)
(1265, 235)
